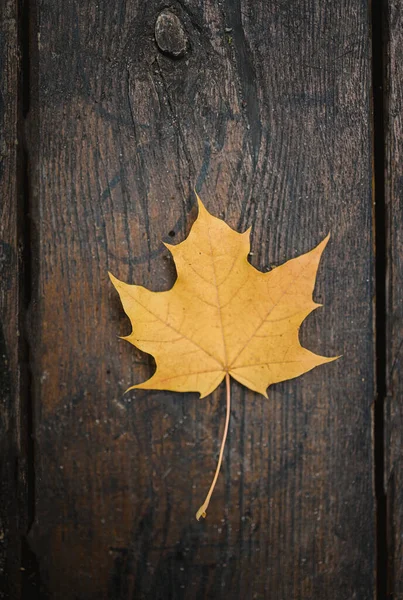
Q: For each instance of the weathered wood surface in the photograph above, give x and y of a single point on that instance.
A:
(267, 112)
(394, 325)
(11, 455)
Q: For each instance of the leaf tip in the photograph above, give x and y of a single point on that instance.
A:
(169, 247)
(115, 281)
(326, 239)
(246, 237)
(129, 389)
(329, 359)
(202, 209)
(318, 250)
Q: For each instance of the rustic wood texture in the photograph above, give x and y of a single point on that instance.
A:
(11, 452)
(394, 325)
(265, 108)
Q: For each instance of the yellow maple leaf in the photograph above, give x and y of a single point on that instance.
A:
(223, 318)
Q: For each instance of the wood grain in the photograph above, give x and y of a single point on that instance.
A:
(12, 455)
(394, 324)
(267, 113)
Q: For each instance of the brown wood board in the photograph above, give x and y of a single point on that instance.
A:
(12, 443)
(267, 113)
(393, 479)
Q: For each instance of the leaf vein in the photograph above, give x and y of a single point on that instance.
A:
(292, 282)
(176, 330)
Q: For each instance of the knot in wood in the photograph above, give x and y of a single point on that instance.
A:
(170, 35)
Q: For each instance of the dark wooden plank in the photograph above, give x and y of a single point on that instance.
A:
(394, 325)
(11, 451)
(268, 114)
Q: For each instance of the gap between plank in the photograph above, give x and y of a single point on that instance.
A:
(30, 587)
(378, 7)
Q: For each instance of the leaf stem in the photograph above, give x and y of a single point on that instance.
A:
(203, 509)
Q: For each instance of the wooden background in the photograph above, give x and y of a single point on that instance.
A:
(111, 112)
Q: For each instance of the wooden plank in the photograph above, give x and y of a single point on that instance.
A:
(394, 237)
(267, 114)
(11, 452)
